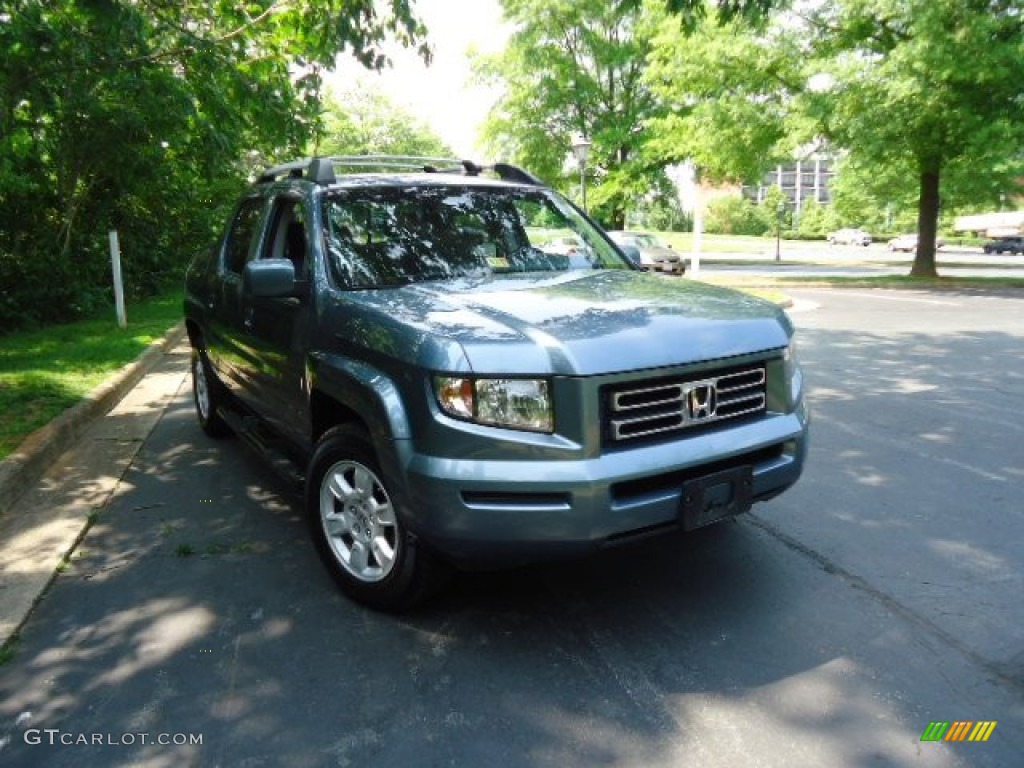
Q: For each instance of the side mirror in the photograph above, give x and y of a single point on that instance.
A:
(269, 278)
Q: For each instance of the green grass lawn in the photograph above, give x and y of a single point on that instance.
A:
(45, 371)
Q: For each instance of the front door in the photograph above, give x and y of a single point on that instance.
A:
(277, 328)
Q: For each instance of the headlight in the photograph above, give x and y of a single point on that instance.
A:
(512, 403)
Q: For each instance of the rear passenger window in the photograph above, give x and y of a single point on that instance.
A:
(244, 230)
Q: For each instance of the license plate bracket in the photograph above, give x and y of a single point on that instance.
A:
(716, 496)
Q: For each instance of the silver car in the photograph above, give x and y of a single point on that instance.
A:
(849, 237)
(646, 250)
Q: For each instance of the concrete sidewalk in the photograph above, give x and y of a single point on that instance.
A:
(68, 471)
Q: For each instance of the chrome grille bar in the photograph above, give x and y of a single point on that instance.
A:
(675, 405)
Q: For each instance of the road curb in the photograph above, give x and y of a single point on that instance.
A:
(41, 448)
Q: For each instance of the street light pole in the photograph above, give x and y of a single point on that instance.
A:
(780, 208)
(581, 148)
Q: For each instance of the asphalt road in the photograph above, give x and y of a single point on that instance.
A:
(827, 628)
(814, 258)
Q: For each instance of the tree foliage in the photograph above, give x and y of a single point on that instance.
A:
(816, 221)
(693, 13)
(574, 67)
(916, 93)
(932, 86)
(137, 116)
(361, 121)
(729, 97)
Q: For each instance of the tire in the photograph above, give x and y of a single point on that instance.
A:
(358, 530)
(207, 396)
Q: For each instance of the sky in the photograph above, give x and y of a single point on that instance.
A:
(441, 94)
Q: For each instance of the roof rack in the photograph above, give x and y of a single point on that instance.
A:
(322, 170)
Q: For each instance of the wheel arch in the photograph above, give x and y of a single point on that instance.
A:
(326, 412)
(344, 391)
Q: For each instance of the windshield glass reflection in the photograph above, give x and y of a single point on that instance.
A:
(386, 236)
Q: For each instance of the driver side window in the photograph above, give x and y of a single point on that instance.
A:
(288, 239)
(241, 238)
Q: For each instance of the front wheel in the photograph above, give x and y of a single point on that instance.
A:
(358, 531)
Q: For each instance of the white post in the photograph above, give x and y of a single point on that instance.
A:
(115, 263)
(698, 225)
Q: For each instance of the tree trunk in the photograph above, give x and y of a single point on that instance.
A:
(927, 226)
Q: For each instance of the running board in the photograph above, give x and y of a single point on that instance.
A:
(267, 446)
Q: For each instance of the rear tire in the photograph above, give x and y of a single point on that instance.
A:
(207, 396)
(358, 531)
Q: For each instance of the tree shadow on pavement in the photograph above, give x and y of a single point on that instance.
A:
(196, 605)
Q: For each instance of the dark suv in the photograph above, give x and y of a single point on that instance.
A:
(1012, 244)
(451, 387)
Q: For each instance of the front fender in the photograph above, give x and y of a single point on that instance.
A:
(364, 390)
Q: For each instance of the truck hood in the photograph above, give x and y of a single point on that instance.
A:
(583, 323)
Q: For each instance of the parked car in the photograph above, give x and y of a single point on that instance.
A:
(646, 250)
(1011, 244)
(579, 254)
(564, 244)
(849, 237)
(908, 243)
(446, 393)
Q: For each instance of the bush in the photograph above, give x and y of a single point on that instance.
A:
(664, 214)
(735, 215)
(816, 221)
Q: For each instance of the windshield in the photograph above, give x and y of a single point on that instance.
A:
(382, 236)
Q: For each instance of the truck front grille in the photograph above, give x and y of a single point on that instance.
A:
(662, 407)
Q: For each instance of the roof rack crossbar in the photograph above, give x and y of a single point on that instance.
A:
(321, 170)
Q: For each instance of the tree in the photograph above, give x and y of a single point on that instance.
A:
(920, 90)
(136, 116)
(364, 122)
(728, 97)
(929, 85)
(574, 66)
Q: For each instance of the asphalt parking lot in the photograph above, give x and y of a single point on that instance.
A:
(829, 627)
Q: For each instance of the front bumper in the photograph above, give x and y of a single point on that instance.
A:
(510, 512)
(671, 267)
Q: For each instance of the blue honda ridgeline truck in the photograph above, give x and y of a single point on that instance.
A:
(453, 384)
